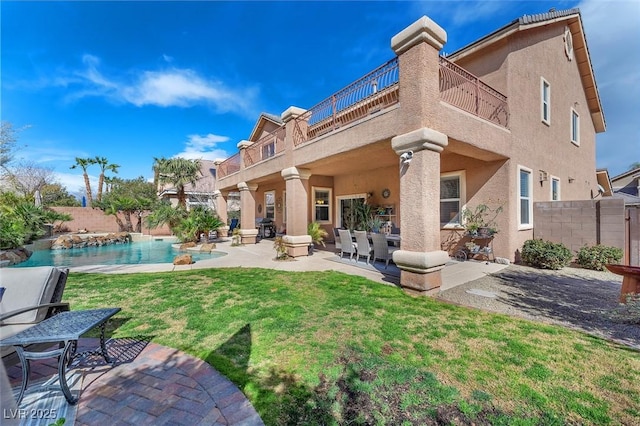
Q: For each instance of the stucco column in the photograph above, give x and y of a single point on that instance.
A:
(242, 147)
(221, 210)
(297, 183)
(420, 258)
(295, 129)
(248, 231)
(418, 48)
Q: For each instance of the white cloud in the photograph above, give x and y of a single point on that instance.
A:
(167, 58)
(173, 87)
(74, 182)
(204, 147)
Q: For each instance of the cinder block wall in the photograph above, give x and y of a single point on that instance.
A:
(94, 220)
(576, 223)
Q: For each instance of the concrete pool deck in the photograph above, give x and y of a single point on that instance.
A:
(262, 255)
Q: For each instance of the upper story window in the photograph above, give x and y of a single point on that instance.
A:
(555, 188)
(270, 205)
(545, 101)
(268, 150)
(525, 199)
(322, 205)
(452, 198)
(575, 127)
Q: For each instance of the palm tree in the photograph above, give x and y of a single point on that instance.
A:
(83, 163)
(179, 172)
(104, 166)
(158, 164)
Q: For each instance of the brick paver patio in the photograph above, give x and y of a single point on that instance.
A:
(157, 386)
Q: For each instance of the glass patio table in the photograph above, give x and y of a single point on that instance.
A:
(65, 327)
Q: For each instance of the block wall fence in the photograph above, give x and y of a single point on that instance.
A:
(579, 223)
(94, 220)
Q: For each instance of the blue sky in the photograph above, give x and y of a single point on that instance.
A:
(130, 81)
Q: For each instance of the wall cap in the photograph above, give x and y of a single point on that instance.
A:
(424, 30)
(419, 140)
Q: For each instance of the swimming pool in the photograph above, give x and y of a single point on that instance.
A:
(144, 252)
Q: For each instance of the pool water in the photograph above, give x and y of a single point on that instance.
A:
(117, 254)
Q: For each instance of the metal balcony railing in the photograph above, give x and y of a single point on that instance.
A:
(371, 93)
(229, 166)
(266, 147)
(464, 90)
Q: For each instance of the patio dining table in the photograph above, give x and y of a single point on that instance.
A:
(65, 327)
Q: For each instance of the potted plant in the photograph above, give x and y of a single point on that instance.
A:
(375, 224)
(481, 220)
(317, 234)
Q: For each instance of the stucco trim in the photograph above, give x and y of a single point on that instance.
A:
(243, 186)
(295, 173)
(424, 30)
(419, 140)
(420, 262)
(244, 144)
(296, 240)
(291, 113)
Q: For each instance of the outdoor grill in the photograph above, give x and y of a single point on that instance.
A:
(266, 227)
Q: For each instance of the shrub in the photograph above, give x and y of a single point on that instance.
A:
(595, 257)
(281, 248)
(545, 254)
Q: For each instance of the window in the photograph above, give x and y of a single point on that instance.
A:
(268, 150)
(452, 198)
(525, 204)
(555, 189)
(545, 97)
(270, 205)
(322, 204)
(575, 127)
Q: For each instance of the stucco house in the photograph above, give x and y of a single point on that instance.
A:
(507, 120)
(627, 186)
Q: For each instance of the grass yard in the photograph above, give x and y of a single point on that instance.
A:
(330, 348)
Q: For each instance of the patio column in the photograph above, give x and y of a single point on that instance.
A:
(297, 183)
(420, 258)
(242, 147)
(418, 48)
(248, 231)
(294, 129)
(221, 210)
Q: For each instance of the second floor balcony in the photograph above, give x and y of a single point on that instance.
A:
(376, 91)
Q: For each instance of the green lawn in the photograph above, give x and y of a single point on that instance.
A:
(330, 348)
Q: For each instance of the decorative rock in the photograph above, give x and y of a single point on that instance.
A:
(187, 245)
(75, 241)
(207, 247)
(14, 256)
(502, 261)
(183, 259)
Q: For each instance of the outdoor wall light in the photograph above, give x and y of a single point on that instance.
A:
(571, 179)
(406, 157)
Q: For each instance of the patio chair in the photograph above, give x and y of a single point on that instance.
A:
(381, 249)
(362, 242)
(346, 244)
(31, 295)
(336, 239)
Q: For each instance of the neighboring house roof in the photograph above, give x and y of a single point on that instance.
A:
(629, 200)
(602, 176)
(580, 49)
(626, 174)
(262, 119)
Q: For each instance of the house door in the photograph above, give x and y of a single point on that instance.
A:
(346, 212)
